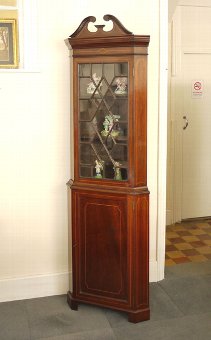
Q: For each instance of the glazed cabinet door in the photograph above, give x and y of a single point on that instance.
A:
(102, 115)
(101, 247)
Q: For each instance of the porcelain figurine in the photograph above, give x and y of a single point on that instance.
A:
(117, 172)
(93, 84)
(121, 85)
(98, 169)
(109, 125)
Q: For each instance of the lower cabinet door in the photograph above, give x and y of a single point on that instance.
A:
(101, 247)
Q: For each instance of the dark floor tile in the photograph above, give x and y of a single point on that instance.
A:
(188, 269)
(116, 318)
(170, 247)
(173, 329)
(183, 233)
(190, 252)
(47, 321)
(192, 295)
(208, 230)
(177, 240)
(98, 334)
(197, 244)
(207, 225)
(190, 225)
(200, 325)
(161, 306)
(204, 237)
(180, 260)
(13, 321)
(46, 305)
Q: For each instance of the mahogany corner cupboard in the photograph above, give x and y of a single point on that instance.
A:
(109, 195)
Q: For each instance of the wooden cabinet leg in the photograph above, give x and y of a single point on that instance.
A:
(138, 316)
(71, 302)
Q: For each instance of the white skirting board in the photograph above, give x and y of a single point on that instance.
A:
(44, 285)
(33, 286)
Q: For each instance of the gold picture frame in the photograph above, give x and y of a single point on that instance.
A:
(8, 43)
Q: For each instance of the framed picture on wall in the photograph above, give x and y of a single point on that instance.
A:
(8, 43)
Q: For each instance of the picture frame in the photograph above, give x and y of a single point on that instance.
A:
(8, 44)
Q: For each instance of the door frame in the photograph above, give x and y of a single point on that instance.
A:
(162, 139)
(175, 112)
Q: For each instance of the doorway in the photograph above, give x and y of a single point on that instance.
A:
(189, 138)
(189, 126)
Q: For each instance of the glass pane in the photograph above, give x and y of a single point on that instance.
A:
(90, 86)
(86, 154)
(87, 132)
(85, 70)
(120, 107)
(103, 121)
(121, 69)
(88, 109)
(96, 70)
(85, 87)
(109, 72)
(119, 153)
(86, 171)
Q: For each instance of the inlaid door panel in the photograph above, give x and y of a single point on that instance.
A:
(103, 246)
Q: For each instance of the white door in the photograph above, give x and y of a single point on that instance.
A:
(190, 166)
(196, 136)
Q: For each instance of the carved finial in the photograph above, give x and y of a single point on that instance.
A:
(83, 26)
(108, 17)
(118, 34)
(84, 32)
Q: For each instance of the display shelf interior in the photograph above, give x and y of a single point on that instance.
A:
(103, 120)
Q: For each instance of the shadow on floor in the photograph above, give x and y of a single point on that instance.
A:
(180, 309)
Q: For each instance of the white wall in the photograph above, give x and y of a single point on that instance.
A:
(34, 140)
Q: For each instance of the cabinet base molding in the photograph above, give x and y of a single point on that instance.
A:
(133, 316)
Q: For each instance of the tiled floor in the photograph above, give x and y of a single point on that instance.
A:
(180, 310)
(188, 242)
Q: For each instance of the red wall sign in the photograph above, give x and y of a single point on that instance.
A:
(197, 88)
